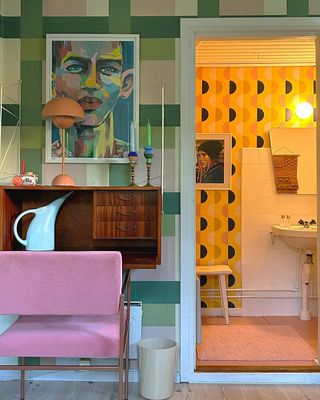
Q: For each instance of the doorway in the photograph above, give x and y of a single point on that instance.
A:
(191, 31)
(244, 89)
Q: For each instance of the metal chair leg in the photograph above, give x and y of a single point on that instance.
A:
(127, 371)
(22, 386)
(120, 384)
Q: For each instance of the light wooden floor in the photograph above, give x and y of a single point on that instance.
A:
(308, 330)
(54, 390)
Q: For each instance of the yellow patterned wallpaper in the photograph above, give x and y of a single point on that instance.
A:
(245, 102)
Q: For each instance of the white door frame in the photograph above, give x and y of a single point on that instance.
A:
(191, 29)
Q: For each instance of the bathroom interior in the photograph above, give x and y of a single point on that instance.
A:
(250, 88)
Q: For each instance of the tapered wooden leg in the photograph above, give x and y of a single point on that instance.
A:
(224, 298)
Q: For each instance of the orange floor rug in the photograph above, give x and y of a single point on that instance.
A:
(253, 343)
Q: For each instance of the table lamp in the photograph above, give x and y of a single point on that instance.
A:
(63, 112)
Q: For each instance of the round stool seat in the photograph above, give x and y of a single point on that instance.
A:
(213, 269)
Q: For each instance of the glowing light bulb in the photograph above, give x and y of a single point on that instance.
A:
(304, 110)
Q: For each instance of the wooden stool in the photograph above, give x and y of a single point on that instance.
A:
(221, 271)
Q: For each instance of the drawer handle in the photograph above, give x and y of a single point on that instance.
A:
(132, 228)
(127, 214)
(127, 198)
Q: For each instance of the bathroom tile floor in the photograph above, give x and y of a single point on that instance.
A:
(306, 329)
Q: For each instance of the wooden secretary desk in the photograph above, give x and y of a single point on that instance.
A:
(127, 219)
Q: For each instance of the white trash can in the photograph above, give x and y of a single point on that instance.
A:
(157, 367)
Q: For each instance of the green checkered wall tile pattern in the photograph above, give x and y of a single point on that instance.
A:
(158, 30)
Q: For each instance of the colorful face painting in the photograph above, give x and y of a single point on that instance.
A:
(99, 75)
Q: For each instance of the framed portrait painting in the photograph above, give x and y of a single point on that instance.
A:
(100, 72)
(213, 161)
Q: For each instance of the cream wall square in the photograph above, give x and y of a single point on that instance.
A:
(186, 7)
(11, 69)
(268, 264)
(97, 8)
(11, 8)
(152, 74)
(165, 271)
(241, 7)
(169, 170)
(9, 153)
(58, 8)
(314, 7)
(275, 7)
(152, 7)
(1, 58)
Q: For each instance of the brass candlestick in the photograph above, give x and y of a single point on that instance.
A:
(148, 154)
(133, 158)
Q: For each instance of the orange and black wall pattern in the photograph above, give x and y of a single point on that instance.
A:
(245, 102)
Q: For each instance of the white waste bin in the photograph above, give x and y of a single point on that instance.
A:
(157, 367)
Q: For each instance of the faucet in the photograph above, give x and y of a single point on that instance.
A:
(307, 224)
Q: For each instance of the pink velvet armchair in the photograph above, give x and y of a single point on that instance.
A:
(70, 304)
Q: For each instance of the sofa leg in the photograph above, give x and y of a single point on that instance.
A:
(22, 387)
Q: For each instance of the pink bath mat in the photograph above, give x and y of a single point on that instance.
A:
(253, 343)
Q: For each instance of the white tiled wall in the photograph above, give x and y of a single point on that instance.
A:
(267, 265)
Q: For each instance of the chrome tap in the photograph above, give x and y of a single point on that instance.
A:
(305, 223)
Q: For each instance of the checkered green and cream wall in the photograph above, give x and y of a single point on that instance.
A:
(23, 26)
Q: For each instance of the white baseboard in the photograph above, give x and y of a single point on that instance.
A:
(77, 376)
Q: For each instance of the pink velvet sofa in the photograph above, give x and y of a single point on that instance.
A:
(70, 304)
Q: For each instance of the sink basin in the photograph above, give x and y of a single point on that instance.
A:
(297, 236)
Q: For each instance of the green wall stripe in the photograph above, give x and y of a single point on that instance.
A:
(157, 49)
(156, 292)
(33, 49)
(119, 174)
(7, 118)
(152, 113)
(75, 25)
(31, 18)
(208, 8)
(158, 315)
(156, 27)
(11, 27)
(32, 360)
(298, 8)
(168, 225)
(1, 26)
(169, 137)
(32, 137)
(32, 158)
(119, 16)
(171, 202)
(31, 93)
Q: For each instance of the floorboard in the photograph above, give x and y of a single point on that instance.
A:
(55, 390)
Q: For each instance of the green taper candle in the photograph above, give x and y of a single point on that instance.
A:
(148, 134)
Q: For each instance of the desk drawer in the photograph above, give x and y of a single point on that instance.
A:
(122, 229)
(126, 213)
(125, 197)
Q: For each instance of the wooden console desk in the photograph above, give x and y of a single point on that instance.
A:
(127, 219)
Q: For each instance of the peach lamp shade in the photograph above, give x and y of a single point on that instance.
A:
(63, 112)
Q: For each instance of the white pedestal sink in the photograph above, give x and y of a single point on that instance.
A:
(297, 236)
(301, 238)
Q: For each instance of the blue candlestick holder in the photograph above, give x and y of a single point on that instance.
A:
(148, 155)
(133, 158)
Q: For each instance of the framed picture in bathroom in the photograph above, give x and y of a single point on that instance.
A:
(213, 160)
(101, 73)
